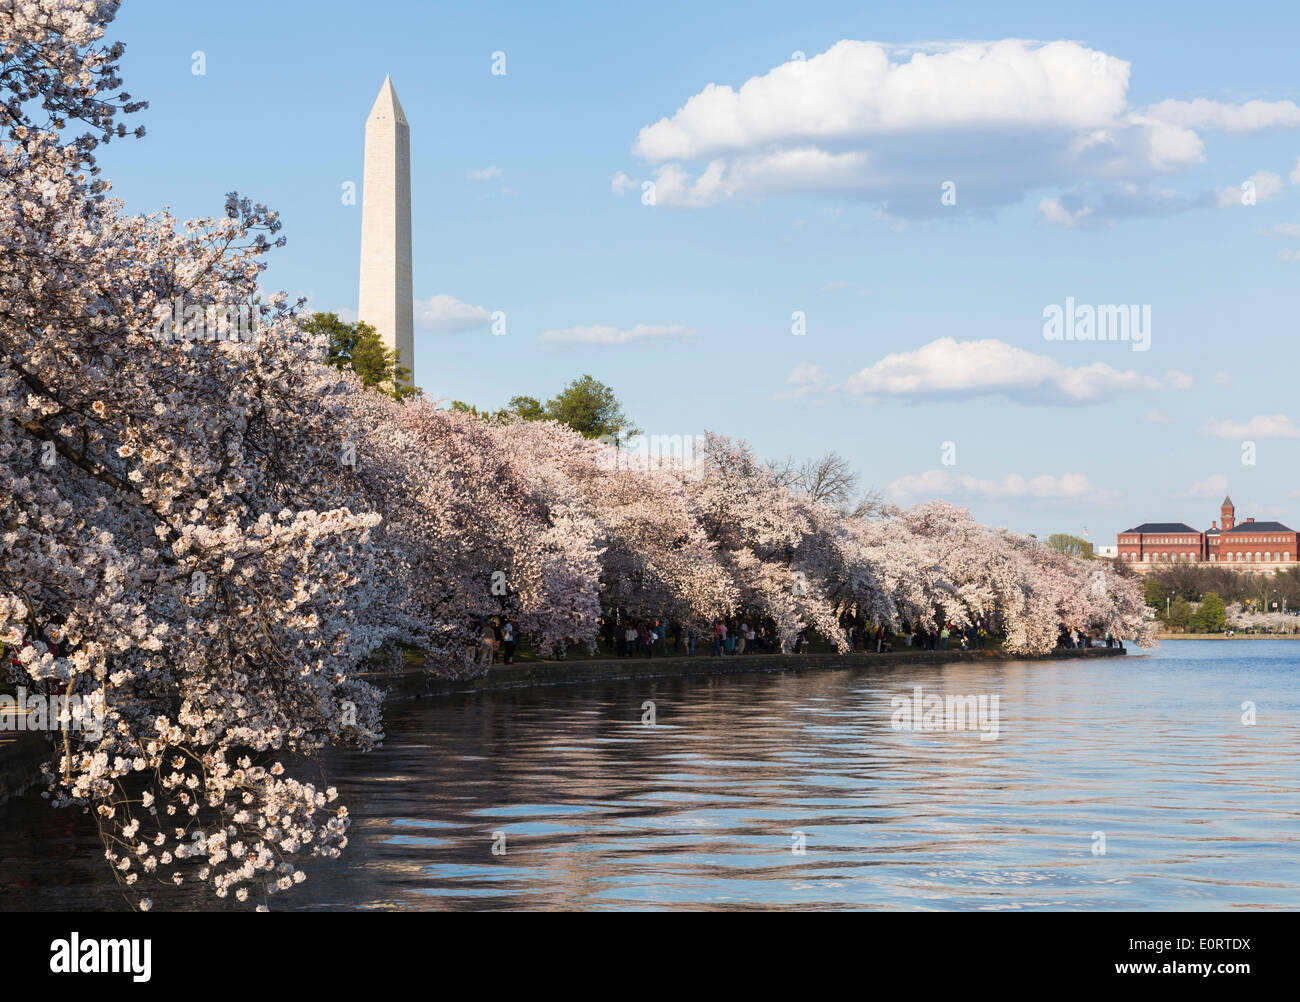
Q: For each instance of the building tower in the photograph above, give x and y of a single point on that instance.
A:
(1228, 514)
(386, 300)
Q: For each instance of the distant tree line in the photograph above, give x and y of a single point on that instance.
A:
(1255, 592)
(586, 405)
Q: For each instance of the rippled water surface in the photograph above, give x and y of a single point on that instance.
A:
(704, 809)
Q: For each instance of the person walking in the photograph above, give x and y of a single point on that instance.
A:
(508, 641)
(629, 640)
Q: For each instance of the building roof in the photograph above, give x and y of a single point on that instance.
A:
(1259, 527)
(1227, 502)
(1212, 531)
(1148, 527)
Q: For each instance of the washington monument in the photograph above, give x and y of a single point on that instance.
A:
(386, 301)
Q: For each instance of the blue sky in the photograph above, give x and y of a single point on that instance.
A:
(1096, 153)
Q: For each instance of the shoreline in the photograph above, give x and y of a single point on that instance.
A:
(416, 683)
(1162, 637)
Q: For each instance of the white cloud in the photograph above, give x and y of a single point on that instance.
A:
(940, 483)
(806, 378)
(959, 369)
(486, 174)
(1287, 229)
(1295, 172)
(1157, 417)
(1265, 183)
(1247, 117)
(873, 121)
(1214, 486)
(608, 334)
(1222, 378)
(854, 89)
(1092, 203)
(1289, 255)
(1055, 213)
(620, 183)
(446, 314)
(1260, 426)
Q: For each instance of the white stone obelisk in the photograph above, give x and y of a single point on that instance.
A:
(386, 300)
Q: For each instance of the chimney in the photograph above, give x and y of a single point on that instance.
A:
(1214, 526)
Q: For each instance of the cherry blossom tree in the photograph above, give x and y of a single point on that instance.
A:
(216, 533)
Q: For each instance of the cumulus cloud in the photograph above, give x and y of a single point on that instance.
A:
(805, 379)
(620, 183)
(486, 174)
(608, 334)
(1094, 204)
(1249, 116)
(947, 368)
(1259, 187)
(1214, 487)
(1260, 426)
(866, 120)
(942, 483)
(446, 314)
(1057, 214)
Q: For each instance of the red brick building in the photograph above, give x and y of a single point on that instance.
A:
(1248, 546)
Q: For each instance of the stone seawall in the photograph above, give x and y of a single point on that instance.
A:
(417, 683)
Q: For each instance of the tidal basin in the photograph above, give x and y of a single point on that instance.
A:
(1117, 783)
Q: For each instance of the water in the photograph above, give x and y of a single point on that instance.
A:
(701, 811)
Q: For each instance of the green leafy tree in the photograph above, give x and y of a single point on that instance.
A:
(1071, 546)
(359, 347)
(528, 408)
(586, 405)
(1212, 616)
(1180, 614)
(590, 408)
(1155, 591)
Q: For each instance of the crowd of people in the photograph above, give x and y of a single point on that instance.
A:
(633, 637)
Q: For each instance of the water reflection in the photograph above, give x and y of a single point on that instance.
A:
(702, 810)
